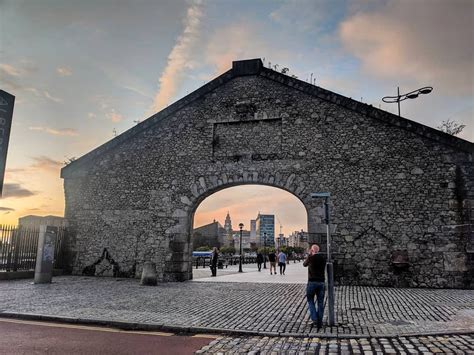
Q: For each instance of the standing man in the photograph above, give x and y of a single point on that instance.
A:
(282, 262)
(316, 264)
(214, 258)
(259, 260)
(272, 258)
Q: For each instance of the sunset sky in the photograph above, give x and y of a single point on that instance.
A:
(82, 69)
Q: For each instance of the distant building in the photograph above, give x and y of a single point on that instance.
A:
(253, 231)
(280, 241)
(228, 230)
(266, 227)
(245, 240)
(33, 221)
(212, 235)
(298, 239)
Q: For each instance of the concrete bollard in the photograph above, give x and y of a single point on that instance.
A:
(45, 254)
(149, 274)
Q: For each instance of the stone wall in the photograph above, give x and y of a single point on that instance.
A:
(398, 189)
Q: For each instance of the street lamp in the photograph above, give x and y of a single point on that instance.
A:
(265, 250)
(411, 95)
(329, 265)
(241, 225)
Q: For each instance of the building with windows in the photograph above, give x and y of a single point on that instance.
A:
(245, 240)
(253, 231)
(212, 235)
(298, 239)
(265, 226)
(281, 241)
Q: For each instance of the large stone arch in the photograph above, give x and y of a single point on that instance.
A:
(205, 186)
(396, 186)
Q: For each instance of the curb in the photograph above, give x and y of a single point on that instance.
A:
(125, 325)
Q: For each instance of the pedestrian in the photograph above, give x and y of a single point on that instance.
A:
(215, 256)
(282, 262)
(272, 259)
(259, 261)
(316, 264)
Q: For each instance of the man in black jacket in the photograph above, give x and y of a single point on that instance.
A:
(316, 264)
(215, 256)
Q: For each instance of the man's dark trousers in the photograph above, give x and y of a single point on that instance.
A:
(314, 288)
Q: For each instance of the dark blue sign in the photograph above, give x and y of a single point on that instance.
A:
(6, 113)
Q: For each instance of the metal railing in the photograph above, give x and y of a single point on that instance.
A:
(18, 248)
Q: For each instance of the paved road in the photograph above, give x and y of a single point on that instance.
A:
(445, 344)
(256, 307)
(23, 337)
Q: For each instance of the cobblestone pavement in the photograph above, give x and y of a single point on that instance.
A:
(448, 344)
(246, 308)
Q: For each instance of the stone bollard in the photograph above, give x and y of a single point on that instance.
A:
(149, 274)
(45, 254)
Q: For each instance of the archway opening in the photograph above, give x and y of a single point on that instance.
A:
(272, 219)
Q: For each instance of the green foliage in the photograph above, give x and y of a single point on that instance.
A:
(299, 250)
(227, 250)
(204, 248)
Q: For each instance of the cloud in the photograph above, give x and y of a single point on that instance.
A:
(45, 163)
(52, 98)
(7, 69)
(180, 58)
(114, 116)
(236, 41)
(56, 132)
(64, 71)
(304, 16)
(91, 115)
(16, 190)
(45, 94)
(8, 209)
(429, 41)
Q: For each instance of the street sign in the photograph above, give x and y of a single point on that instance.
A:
(6, 113)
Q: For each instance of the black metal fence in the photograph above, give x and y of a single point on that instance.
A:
(18, 248)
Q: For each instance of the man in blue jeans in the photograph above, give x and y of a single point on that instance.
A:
(316, 264)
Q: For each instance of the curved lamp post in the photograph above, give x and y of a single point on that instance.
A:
(241, 225)
(411, 95)
(264, 250)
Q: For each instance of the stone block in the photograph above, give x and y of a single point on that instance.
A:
(149, 276)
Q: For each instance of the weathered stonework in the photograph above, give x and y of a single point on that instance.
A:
(398, 188)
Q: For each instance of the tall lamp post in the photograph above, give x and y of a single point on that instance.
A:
(241, 225)
(264, 250)
(329, 264)
(411, 95)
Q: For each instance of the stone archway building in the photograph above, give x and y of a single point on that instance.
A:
(398, 188)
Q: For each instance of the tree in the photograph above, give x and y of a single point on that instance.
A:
(227, 250)
(204, 248)
(451, 127)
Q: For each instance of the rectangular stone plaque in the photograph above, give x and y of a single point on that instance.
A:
(247, 137)
(6, 113)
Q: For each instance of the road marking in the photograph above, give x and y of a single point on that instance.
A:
(84, 327)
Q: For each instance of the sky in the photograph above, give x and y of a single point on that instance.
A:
(85, 70)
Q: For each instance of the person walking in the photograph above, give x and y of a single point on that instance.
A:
(316, 264)
(272, 258)
(282, 262)
(259, 261)
(215, 256)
